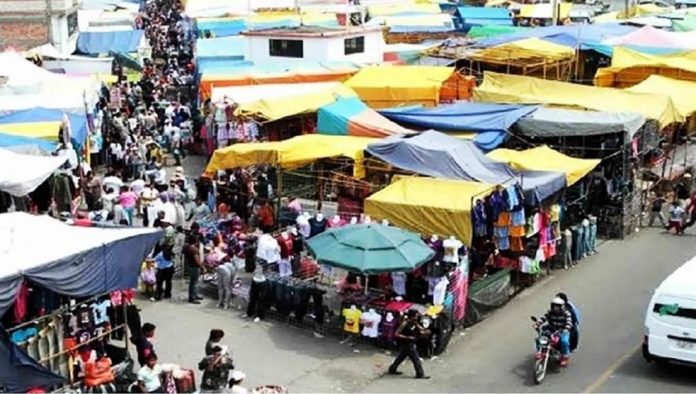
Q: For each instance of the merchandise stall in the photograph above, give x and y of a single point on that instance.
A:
(388, 272)
(62, 304)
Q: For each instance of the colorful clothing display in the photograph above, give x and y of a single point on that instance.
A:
(352, 320)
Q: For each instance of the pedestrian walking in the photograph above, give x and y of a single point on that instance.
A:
(407, 335)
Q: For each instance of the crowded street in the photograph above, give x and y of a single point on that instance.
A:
(378, 196)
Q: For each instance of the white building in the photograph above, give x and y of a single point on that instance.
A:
(317, 44)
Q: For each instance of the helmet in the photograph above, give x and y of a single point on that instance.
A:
(558, 301)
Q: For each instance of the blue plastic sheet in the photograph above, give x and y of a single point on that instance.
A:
(231, 48)
(95, 43)
(574, 36)
(19, 372)
(14, 141)
(440, 156)
(491, 121)
(484, 16)
(78, 123)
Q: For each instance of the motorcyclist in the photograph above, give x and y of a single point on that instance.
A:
(575, 313)
(558, 318)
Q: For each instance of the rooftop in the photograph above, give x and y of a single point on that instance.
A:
(312, 31)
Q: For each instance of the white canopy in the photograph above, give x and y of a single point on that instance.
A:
(21, 174)
(29, 86)
(70, 260)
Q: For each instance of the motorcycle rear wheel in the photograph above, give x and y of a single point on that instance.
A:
(539, 371)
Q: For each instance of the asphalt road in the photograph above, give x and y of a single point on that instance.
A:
(612, 290)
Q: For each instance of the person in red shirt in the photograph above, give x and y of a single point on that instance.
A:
(690, 211)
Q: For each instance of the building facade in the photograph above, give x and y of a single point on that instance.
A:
(356, 44)
(26, 24)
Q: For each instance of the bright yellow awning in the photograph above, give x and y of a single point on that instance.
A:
(292, 153)
(428, 205)
(529, 48)
(504, 88)
(683, 93)
(43, 130)
(274, 109)
(629, 67)
(385, 86)
(543, 158)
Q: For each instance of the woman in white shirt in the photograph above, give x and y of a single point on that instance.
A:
(235, 383)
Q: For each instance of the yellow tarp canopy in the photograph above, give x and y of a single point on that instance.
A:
(515, 89)
(395, 9)
(629, 67)
(544, 11)
(529, 48)
(683, 93)
(43, 130)
(292, 153)
(543, 158)
(274, 109)
(428, 205)
(386, 86)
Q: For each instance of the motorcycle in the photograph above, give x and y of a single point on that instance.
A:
(548, 349)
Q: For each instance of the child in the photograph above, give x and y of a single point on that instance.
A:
(149, 278)
(676, 216)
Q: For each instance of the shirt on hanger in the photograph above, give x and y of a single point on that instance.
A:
(439, 291)
(399, 282)
(371, 322)
(268, 249)
(451, 250)
(352, 323)
(100, 314)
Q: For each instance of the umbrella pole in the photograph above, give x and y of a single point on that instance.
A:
(367, 279)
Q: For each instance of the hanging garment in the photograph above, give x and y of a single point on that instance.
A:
(268, 249)
(399, 283)
(440, 291)
(316, 226)
(352, 320)
(370, 321)
(303, 226)
(451, 250)
(518, 217)
(20, 305)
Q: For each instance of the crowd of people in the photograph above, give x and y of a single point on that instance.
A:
(680, 205)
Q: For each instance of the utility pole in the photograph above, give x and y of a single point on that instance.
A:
(555, 11)
(49, 24)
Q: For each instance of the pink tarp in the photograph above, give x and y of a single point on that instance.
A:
(649, 36)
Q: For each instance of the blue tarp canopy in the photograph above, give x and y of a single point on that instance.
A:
(95, 43)
(73, 261)
(230, 48)
(19, 372)
(440, 156)
(572, 36)
(78, 123)
(484, 16)
(491, 121)
(16, 142)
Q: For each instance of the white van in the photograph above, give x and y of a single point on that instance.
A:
(670, 321)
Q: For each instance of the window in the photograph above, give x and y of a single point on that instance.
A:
(353, 45)
(286, 48)
(72, 23)
(674, 310)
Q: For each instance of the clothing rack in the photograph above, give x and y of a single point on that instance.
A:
(64, 309)
(100, 336)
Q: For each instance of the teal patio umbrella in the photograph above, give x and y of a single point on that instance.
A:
(370, 249)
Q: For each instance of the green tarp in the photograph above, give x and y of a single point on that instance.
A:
(493, 31)
(686, 24)
(370, 249)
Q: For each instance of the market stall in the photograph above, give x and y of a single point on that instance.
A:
(79, 274)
